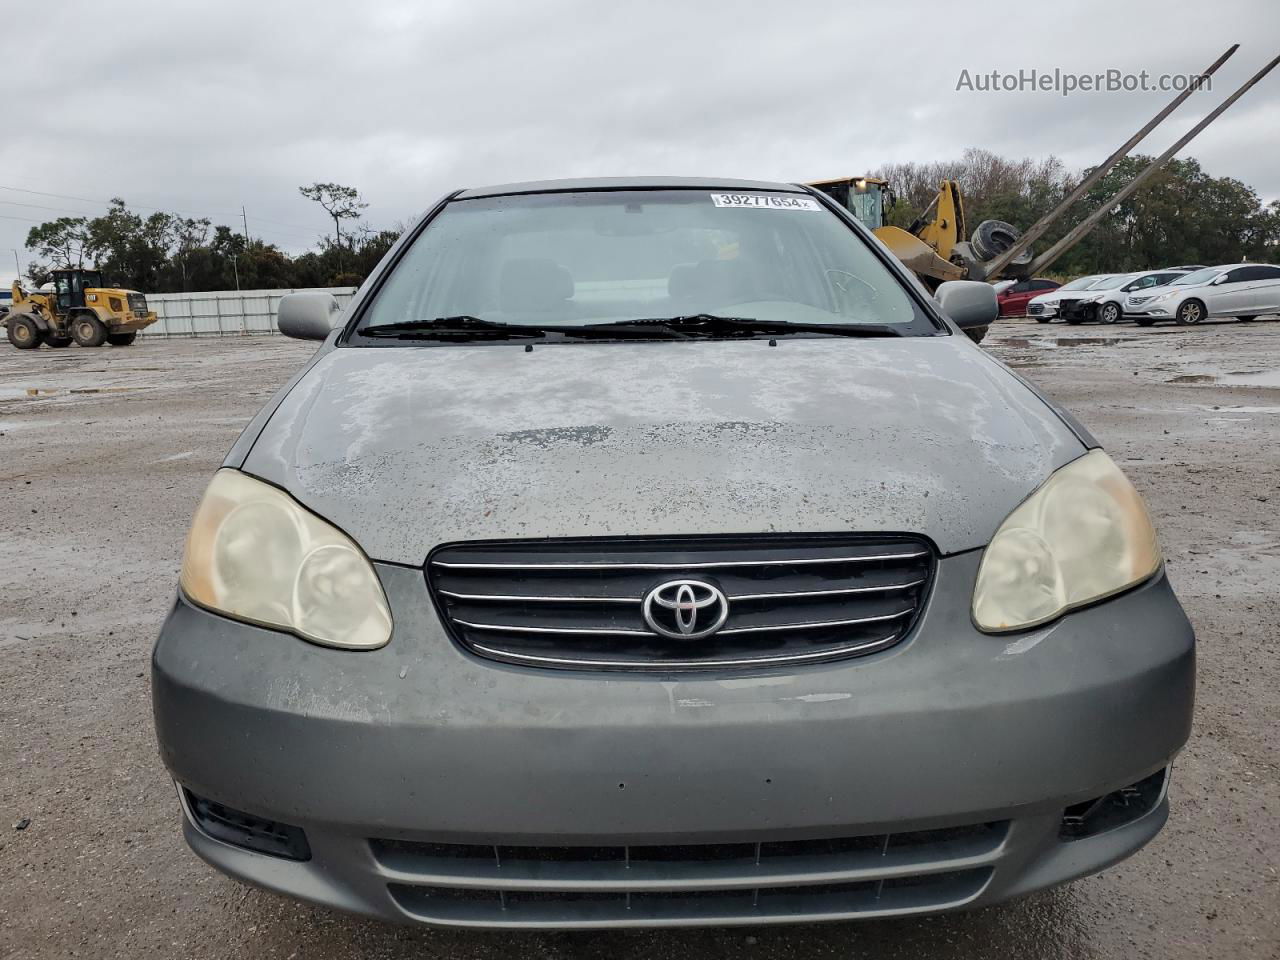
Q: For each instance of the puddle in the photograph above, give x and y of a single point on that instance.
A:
(20, 393)
(1251, 378)
(7, 425)
(1088, 341)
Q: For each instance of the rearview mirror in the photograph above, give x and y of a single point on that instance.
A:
(969, 303)
(307, 316)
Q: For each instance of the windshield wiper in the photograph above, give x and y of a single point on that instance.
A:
(465, 326)
(710, 324)
(462, 325)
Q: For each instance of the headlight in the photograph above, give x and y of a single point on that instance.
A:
(1163, 296)
(255, 554)
(1083, 535)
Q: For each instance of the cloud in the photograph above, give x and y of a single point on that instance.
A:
(204, 107)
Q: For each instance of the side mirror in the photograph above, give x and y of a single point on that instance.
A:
(969, 303)
(1220, 278)
(307, 316)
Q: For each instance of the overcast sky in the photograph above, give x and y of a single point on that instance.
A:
(200, 108)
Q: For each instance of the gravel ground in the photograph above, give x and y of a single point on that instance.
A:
(102, 466)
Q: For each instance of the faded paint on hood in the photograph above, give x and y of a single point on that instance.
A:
(407, 448)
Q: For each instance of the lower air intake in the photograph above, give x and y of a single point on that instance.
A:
(245, 830)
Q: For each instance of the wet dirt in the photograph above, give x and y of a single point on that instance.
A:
(1049, 343)
(98, 489)
(1235, 378)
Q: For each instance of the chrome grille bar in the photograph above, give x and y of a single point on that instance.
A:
(763, 562)
(623, 631)
(788, 594)
(567, 631)
(521, 598)
(707, 663)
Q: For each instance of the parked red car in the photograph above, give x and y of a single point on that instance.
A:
(1013, 299)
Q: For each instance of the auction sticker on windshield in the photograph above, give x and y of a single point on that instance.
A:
(764, 201)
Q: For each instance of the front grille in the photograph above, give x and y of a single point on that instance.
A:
(582, 603)
(731, 882)
(138, 304)
(1134, 301)
(1035, 308)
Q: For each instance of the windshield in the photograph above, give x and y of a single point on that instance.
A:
(1200, 276)
(610, 257)
(1080, 283)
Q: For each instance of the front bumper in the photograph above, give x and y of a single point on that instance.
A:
(420, 742)
(1156, 311)
(1079, 310)
(133, 323)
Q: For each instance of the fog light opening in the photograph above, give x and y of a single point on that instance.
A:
(244, 830)
(1100, 814)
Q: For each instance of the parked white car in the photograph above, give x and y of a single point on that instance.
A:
(1105, 300)
(1045, 307)
(1241, 290)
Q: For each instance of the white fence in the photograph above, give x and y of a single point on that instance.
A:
(223, 313)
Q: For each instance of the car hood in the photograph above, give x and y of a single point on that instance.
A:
(1053, 296)
(408, 448)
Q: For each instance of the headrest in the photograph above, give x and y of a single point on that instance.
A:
(533, 284)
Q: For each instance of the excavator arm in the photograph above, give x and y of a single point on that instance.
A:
(947, 228)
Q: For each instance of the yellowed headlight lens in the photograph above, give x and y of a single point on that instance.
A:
(255, 554)
(1083, 535)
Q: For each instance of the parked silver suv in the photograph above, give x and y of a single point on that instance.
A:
(658, 552)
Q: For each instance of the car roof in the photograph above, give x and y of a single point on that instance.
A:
(626, 183)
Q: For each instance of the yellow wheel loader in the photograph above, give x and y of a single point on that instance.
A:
(78, 308)
(934, 247)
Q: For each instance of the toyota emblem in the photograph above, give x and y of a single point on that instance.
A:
(685, 609)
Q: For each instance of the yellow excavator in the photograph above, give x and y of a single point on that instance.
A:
(78, 309)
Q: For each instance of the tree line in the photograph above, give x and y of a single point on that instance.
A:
(1181, 215)
(169, 253)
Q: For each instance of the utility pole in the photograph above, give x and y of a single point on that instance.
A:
(17, 269)
(1043, 261)
(1038, 229)
(236, 267)
(245, 220)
